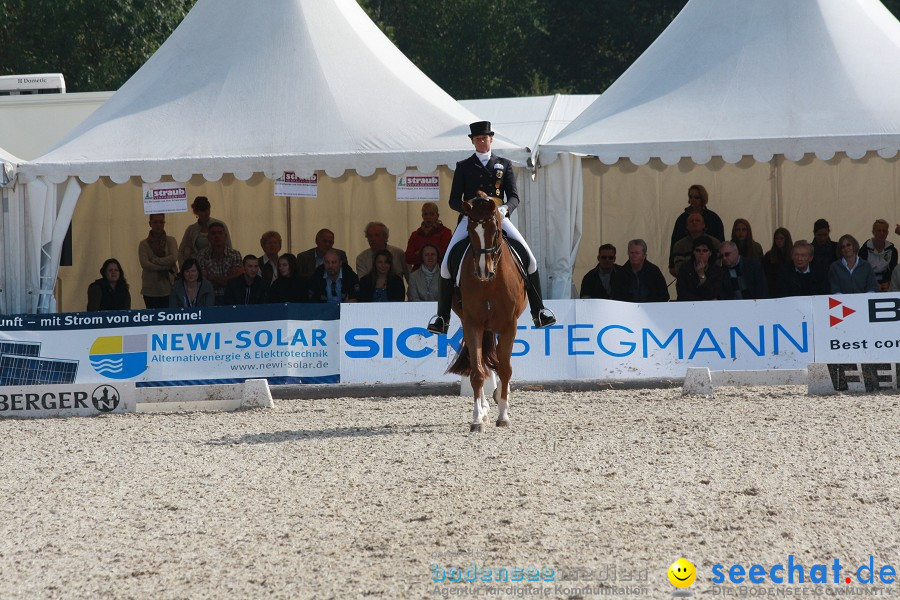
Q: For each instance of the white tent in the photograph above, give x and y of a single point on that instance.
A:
(10, 233)
(802, 97)
(734, 79)
(242, 88)
(550, 217)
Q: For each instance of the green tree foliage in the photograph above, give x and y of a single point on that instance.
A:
(96, 44)
(523, 47)
(591, 43)
(471, 48)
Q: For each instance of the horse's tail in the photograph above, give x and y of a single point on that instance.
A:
(463, 363)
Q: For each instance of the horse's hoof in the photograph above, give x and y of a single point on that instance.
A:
(475, 428)
(502, 423)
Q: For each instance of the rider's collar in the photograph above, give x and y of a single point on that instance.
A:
(483, 156)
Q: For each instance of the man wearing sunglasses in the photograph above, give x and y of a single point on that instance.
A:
(597, 283)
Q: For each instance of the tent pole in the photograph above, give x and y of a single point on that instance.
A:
(775, 179)
(287, 210)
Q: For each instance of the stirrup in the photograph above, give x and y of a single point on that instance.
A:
(544, 318)
(439, 325)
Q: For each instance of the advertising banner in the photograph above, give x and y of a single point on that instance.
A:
(857, 328)
(164, 198)
(622, 340)
(84, 400)
(292, 186)
(285, 343)
(593, 339)
(365, 343)
(414, 186)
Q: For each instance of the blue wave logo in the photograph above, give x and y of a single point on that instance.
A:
(119, 357)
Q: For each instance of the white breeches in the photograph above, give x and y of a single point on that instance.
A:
(462, 232)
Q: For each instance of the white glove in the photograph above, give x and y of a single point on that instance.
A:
(503, 210)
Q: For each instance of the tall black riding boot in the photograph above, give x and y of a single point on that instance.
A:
(440, 323)
(542, 316)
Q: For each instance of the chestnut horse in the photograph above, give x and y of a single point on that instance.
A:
(493, 296)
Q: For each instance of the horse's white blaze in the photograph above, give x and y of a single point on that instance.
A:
(482, 258)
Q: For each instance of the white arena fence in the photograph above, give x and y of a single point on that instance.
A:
(388, 343)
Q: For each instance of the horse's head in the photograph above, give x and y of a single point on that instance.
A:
(484, 234)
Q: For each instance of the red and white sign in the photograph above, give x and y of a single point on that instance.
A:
(414, 186)
(292, 186)
(164, 198)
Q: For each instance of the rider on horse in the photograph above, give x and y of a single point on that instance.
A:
(492, 175)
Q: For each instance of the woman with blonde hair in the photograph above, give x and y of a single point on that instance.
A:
(850, 274)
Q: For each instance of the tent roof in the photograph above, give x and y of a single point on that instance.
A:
(530, 121)
(733, 78)
(7, 157)
(8, 164)
(284, 85)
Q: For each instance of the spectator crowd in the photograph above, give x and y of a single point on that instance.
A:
(706, 266)
(204, 270)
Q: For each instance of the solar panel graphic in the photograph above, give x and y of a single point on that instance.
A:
(33, 370)
(21, 348)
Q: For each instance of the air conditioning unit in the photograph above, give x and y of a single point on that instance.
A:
(44, 83)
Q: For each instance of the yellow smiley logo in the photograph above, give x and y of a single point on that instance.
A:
(682, 573)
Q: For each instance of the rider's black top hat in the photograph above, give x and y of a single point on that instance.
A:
(480, 128)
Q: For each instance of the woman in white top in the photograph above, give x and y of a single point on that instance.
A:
(424, 281)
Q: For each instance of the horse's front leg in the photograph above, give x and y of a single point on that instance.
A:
(476, 379)
(501, 394)
(480, 409)
(490, 380)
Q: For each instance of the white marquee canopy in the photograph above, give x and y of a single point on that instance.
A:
(243, 88)
(732, 78)
(286, 85)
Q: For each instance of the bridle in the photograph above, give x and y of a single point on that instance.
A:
(494, 250)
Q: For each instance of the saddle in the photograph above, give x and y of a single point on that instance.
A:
(457, 252)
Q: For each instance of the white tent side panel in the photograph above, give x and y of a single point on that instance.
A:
(109, 221)
(624, 201)
(30, 125)
(849, 193)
